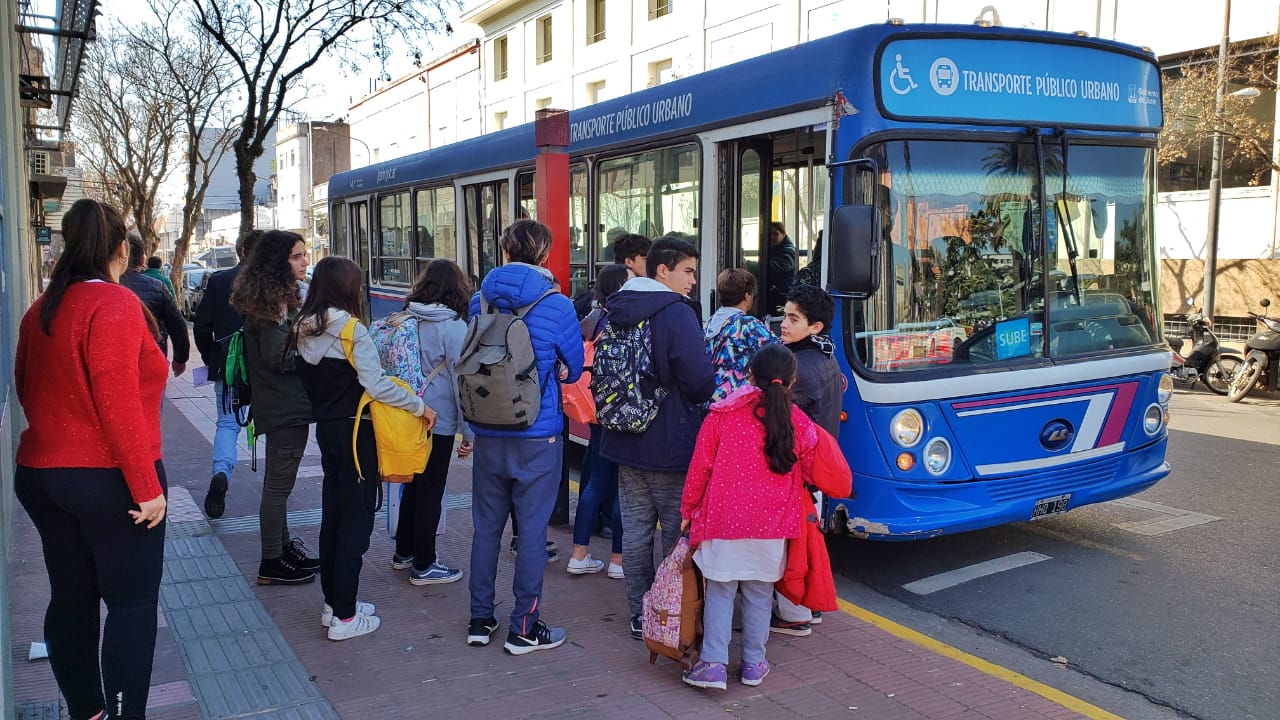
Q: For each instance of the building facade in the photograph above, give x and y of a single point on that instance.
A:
(307, 153)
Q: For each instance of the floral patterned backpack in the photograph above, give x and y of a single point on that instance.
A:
(673, 608)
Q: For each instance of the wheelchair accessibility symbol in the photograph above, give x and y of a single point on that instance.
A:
(943, 76)
(900, 78)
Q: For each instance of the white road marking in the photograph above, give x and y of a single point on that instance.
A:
(1167, 520)
(951, 578)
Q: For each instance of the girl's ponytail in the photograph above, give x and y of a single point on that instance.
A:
(773, 370)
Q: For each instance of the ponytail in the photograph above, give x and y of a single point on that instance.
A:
(773, 370)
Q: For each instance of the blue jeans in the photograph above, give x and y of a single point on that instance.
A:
(520, 475)
(226, 435)
(599, 490)
(717, 619)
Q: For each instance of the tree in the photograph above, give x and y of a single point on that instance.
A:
(199, 84)
(271, 43)
(127, 125)
(1247, 125)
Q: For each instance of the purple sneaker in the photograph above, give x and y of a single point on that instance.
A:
(753, 673)
(708, 675)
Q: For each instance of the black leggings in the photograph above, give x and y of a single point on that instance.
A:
(94, 552)
(420, 506)
(347, 506)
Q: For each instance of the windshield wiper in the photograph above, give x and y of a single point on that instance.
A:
(1064, 219)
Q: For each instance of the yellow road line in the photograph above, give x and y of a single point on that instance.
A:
(1013, 678)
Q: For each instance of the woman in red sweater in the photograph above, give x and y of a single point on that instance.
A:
(741, 503)
(90, 377)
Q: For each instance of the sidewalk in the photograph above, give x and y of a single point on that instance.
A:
(229, 647)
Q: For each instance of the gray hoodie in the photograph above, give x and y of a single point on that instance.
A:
(368, 367)
(440, 333)
(717, 321)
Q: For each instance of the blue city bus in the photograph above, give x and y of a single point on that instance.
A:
(978, 199)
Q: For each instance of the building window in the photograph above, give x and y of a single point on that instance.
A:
(658, 8)
(541, 103)
(660, 72)
(595, 21)
(40, 163)
(543, 44)
(500, 120)
(500, 58)
(595, 92)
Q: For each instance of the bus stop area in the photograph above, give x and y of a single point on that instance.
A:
(230, 648)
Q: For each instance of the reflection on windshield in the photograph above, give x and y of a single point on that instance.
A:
(968, 278)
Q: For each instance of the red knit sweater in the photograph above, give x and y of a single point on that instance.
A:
(91, 391)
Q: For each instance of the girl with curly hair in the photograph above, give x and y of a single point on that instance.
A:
(267, 294)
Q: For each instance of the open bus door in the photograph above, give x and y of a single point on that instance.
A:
(749, 196)
(360, 249)
(488, 213)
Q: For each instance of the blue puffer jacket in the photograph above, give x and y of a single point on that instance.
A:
(553, 327)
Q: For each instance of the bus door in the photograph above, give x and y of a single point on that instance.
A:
(748, 165)
(360, 247)
(488, 213)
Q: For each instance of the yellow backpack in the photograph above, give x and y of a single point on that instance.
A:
(403, 441)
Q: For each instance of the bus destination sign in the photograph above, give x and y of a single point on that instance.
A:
(1013, 82)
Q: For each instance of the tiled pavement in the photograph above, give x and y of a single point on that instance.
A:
(229, 648)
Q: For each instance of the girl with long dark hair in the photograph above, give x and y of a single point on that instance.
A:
(90, 379)
(741, 503)
(268, 295)
(335, 384)
(438, 302)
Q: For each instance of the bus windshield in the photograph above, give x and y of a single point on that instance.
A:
(969, 279)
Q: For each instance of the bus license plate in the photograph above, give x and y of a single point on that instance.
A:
(1051, 506)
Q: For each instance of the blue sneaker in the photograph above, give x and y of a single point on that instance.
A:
(436, 574)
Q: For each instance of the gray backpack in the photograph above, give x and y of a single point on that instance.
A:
(498, 383)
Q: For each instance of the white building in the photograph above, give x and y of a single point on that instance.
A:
(307, 154)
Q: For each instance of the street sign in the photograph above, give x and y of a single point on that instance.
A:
(44, 234)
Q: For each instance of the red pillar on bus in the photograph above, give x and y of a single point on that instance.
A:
(551, 187)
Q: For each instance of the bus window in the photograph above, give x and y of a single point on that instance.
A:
(338, 231)
(434, 232)
(655, 193)
(528, 198)
(488, 210)
(393, 261)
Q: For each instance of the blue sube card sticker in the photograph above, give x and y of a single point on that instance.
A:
(1013, 338)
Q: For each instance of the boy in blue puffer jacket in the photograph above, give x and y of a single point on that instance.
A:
(519, 470)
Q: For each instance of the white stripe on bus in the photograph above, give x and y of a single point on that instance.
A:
(1048, 462)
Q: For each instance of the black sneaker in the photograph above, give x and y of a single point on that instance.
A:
(282, 571)
(296, 553)
(215, 501)
(553, 553)
(637, 627)
(540, 638)
(480, 630)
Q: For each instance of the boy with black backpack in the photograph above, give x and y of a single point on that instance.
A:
(651, 377)
(521, 333)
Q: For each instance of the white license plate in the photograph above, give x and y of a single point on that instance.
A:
(1051, 506)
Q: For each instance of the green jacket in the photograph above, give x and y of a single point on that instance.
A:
(158, 274)
(279, 401)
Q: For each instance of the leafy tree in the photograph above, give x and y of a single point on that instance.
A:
(271, 43)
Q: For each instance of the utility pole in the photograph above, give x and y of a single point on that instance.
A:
(1215, 170)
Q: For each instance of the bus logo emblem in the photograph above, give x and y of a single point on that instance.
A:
(1056, 434)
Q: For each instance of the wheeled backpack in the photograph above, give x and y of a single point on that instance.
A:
(672, 615)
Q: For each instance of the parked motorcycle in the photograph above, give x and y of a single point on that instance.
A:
(1261, 357)
(1204, 364)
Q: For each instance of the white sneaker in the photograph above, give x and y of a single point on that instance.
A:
(615, 571)
(326, 615)
(359, 625)
(584, 566)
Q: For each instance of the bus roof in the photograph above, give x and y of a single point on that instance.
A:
(800, 77)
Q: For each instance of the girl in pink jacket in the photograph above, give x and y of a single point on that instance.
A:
(741, 503)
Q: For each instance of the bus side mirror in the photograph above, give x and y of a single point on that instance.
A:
(855, 250)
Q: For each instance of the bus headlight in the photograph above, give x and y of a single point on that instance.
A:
(1153, 419)
(907, 427)
(1165, 389)
(937, 456)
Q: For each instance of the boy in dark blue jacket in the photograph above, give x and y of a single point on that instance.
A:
(652, 464)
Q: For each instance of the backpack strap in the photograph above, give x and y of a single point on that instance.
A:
(348, 338)
(520, 312)
(436, 371)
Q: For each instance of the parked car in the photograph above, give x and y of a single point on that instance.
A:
(194, 280)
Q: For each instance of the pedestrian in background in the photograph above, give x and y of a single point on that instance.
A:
(153, 270)
(741, 503)
(160, 303)
(215, 321)
(335, 385)
(733, 334)
(438, 301)
(266, 293)
(90, 378)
